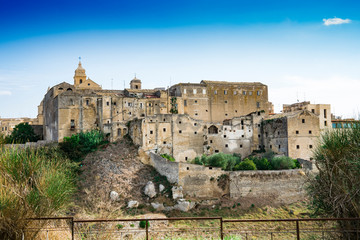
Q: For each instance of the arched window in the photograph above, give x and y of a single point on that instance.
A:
(80, 80)
(69, 89)
(119, 132)
(213, 130)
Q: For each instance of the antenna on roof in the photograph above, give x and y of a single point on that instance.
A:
(79, 59)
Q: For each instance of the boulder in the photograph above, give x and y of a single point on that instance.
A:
(177, 192)
(150, 189)
(114, 196)
(133, 204)
(158, 206)
(161, 188)
(183, 205)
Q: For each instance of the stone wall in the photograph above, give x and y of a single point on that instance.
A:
(271, 187)
(166, 168)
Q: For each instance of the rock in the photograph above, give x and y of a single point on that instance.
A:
(133, 204)
(158, 206)
(114, 196)
(184, 206)
(177, 192)
(161, 188)
(150, 189)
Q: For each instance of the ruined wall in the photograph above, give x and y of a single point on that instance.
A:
(166, 168)
(275, 135)
(271, 187)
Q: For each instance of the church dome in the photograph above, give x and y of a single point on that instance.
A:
(80, 71)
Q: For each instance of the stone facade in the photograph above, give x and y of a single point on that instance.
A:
(7, 125)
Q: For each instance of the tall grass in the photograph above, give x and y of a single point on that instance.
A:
(34, 183)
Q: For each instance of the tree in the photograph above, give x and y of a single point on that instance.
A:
(22, 133)
(335, 189)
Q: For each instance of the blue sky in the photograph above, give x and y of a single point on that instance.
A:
(284, 44)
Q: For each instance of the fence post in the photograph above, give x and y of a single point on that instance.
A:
(72, 228)
(221, 229)
(297, 230)
(147, 229)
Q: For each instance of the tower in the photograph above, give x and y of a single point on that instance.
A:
(79, 76)
(135, 83)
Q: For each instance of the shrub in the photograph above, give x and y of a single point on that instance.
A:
(78, 145)
(262, 164)
(22, 133)
(297, 163)
(168, 157)
(278, 163)
(34, 183)
(247, 164)
(142, 224)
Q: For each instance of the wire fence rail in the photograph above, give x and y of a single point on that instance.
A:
(192, 228)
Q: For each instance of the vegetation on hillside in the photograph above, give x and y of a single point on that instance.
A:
(233, 162)
(34, 183)
(335, 189)
(78, 145)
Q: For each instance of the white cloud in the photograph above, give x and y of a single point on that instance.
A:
(335, 21)
(5, 93)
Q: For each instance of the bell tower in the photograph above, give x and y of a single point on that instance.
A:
(80, 75)
(135, 83)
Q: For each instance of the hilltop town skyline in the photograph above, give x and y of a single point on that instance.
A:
(301, 51)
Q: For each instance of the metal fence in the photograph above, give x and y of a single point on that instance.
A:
(193, 228)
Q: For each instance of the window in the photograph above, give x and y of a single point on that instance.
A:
(258, 93)
(195, 124)
(184, 91)
(211, 141)
(151, 132)
(258, 135)
(313, 110)
(226, 145)
(72, 124)
(141, 105)
(107, 103)
(297, 132)
(164, 142)
(179, 122)
(225, 101)
(310, 132)
(195, 101)
(195, 133)
(310, 146)
(186, 158)
(87, 102)
(236, 111)
(266, 134)
(204, 91)
(114, 103)
(303, 120)
(325, 123)
(278, 133)
(250, 93)
(194, 91)
(270, 146)
(88, 84)
(297, 146)
(257, 104)
(240, 145)
(242, 136)
(185, 103)
(235, 92)
(226, 114)
(216, 151)
(180, 131)
(196, 114)
(212, 130)
(164, 119)
(215, 92)
(80, 80)
(224, 136)
(279, 147)
(129, 104)
(164, 129)
(225, 92)
(324, 113)
(242, 122)
(244, 92)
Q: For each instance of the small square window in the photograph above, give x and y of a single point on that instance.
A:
(186, 158)
(303, 120)
(310, 132)
(242, 136)
(226, 114)
(325, 123)
(194, 91)
(185, 103)
(234, 92)
(211, 141)
(164, 129)
(195, 132)
(240, 145)
(225, 101)
(184, 91)
(195, 124)
(310, 146)
(164, 142)
(216, 151)
(187, 168)
(195, 101)
(180, 131)
(297, 146)
(224, 136)
(107, 103)
(313, 110)
(225, 92)
(226, 145)
(215, 92)
(151, 132)
(258, 93)
(258, 135)
(236, 111)
(270, 146)
(204, 91)
(297, 132)
(179, 122)
(196, 114)
(250, 93)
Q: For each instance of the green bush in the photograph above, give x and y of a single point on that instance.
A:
(297, 163)
(34, 183)
(224, 161)
(168, 157)
(262, 163)
(142, 224)
(78, 145)
(247, 164)
(22, 133)
(278, 163)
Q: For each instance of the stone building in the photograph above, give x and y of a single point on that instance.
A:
(84, 105)
(7, 125)
(321, 110)
(294, 133)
